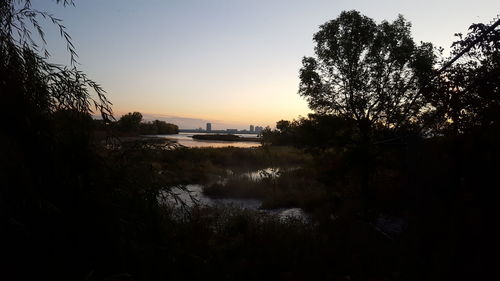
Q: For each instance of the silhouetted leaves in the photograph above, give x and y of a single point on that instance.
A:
(366, 71)
(467, 94)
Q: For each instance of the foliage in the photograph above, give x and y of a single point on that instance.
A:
(316, 131)
(45, 86)
(65, 210)
(366, 71)
(164, 128)
(467, 94)
(130, 121)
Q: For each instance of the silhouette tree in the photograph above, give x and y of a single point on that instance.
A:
(283, 125)
(369, 73)
(366, 71)
(467, 94)
(163, 127)
(47, 86)
(130, 121)
(47, 150)
(157, 127)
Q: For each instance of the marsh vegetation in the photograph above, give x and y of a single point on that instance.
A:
(394, 170)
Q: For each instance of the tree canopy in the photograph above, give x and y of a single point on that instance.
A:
(467, 94)
(130, 121)
(366, 71)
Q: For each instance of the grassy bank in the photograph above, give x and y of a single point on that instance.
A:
(283, 188)
(204, 165)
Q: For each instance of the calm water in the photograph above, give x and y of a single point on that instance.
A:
(186, 140)
(195, 191)
(194, 194)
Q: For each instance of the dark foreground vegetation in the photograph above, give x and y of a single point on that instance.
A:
(400, 180)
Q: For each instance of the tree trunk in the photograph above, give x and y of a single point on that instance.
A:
(366, 165)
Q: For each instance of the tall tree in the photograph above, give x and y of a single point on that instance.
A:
(366, 71)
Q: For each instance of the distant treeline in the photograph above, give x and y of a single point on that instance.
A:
(132, 123)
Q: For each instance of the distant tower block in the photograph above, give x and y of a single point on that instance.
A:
(209, 127)
(252, 129)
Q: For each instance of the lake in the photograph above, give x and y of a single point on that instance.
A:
(185, 139)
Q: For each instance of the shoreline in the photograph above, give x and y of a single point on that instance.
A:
(225, 137)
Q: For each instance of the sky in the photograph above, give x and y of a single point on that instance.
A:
(229, 62)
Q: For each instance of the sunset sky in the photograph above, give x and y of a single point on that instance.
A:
(229, 62)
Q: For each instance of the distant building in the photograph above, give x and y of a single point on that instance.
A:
(252, 129)
(258, 129)
(209, 127)
(232, 130)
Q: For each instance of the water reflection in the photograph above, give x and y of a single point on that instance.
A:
(193, 194)
(185, 139)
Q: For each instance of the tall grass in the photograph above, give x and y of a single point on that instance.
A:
(287, 188)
